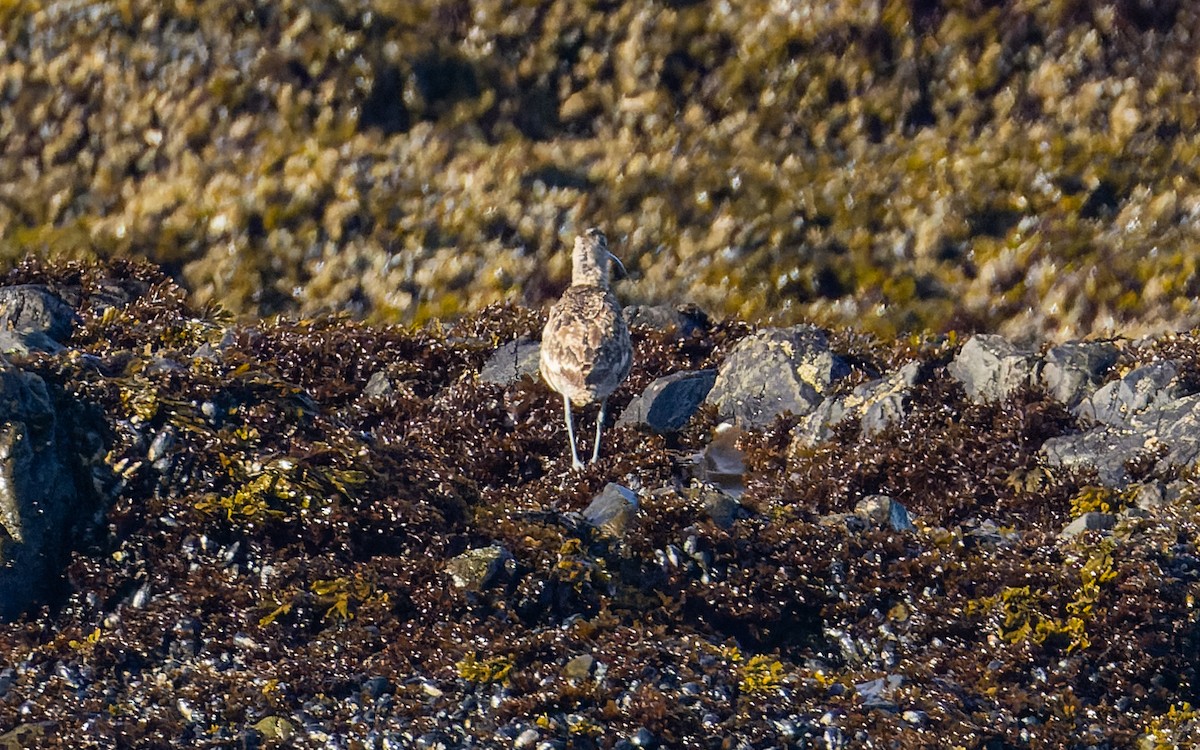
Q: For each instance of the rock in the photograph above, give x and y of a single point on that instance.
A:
(611, 511)
(1169, 432)
(877, 404)
(38, 502)
(275, 728)
(853, 522)
(1117, 402)
(883, 413)
(476, 569)
(987, 533)
(774, 372)
(32, 308)
(511, 362)
(580, 667)
(991, 368)
(21, 344)
(1089, 522)
(1100, 450)
(526, 738)
(881, 510)
(1072, 371)
(378, 386)
(721, 507)
(918, 718)
(684, 320)
(817, 426)
(876, 693)
(1149, 496)
(669, 402)
(214, 351)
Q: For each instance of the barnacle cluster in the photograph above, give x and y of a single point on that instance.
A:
(1024, 167)
(274, 563)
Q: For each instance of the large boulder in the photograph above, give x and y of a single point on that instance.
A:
(39, 501)
(774, 372)
(1168, 434)
(991, 368)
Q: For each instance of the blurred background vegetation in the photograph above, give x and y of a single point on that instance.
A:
(1030, 167)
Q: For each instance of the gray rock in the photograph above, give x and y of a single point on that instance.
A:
(215, 350)
(877, 405)
(30, 308)
(1175, 425)
(1089, 522)
(669, 402)
(1117, 402)
(476, 569)
(817, 426)
(611, 511)
(918, 718)
(881, 511)
(1072, 371)
(39, 506)
(721, 507)
(876, 694)
(684, 320)
(991, 368)
(884, 412)
(378, 386)
(579, 667)
(776, 371)
(1101, 450)
(511, 362)
(1150, 496)
(21, 344)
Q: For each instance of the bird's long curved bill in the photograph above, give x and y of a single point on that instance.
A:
(621, 272)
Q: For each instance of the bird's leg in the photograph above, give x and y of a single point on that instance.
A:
(599, 427)
(575, 462)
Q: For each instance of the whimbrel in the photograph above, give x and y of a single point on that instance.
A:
(585, 345)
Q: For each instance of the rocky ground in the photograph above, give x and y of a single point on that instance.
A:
(323, 534)
(1026, 168)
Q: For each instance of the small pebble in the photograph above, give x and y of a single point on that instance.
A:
(914, 717)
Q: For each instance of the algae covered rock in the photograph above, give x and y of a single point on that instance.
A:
(773, 372)
(40, 506)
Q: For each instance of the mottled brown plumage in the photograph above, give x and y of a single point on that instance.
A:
(586, 351)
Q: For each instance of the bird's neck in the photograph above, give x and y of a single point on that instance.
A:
(588, 274)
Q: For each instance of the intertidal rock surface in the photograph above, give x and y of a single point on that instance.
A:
(1025, 168)
(323, 534)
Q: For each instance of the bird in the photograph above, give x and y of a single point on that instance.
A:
(586, 353)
